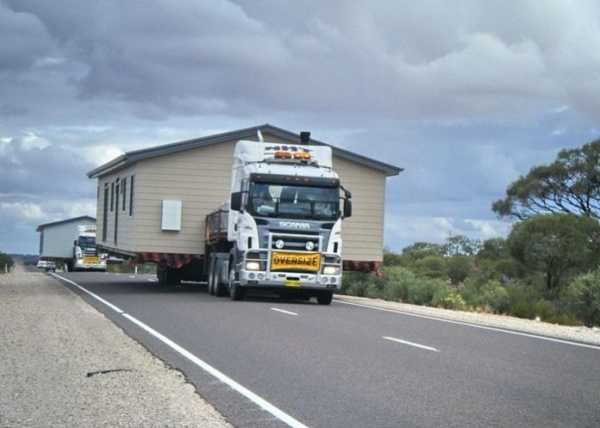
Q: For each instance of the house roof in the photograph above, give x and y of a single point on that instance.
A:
(246, 133)
(69, 220)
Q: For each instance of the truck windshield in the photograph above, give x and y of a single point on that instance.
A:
(290, 201)
(87, 241)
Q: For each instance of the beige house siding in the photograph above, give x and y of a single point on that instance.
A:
(200, 178)
(362, 234)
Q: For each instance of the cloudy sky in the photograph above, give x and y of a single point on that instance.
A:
(465, 95)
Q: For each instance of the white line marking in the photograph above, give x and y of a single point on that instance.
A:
(483, 327)
(256, 399)
(95, 296)
(406, 342)
(283, 311)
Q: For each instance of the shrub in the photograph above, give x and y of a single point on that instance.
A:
(582, 298)
(5, 260)
(402, 284)
(458, 268)
(431, 267)
(545, 310)
(452, 300)
(521, 299)
(495, 296)
(353, 280)
(470, 291)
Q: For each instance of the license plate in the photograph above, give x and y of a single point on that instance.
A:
(90, 260)
(295, 262)
(292, 283)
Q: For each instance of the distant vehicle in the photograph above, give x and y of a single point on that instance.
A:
(46, 265)
(72, 243)
(85, 254)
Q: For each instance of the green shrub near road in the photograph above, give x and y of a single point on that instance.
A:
(6, 262)
(489, 281)
(582, 297)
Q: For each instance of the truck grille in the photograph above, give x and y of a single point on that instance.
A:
(293, 242)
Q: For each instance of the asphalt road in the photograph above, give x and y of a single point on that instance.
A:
(347, 366)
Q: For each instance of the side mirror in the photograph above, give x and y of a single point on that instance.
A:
(236, 201)
(347, 208)
(75, 243)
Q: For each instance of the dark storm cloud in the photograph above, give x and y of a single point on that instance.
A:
(466, 96)
(428, 59)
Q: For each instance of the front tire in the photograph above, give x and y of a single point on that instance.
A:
(211, 277)
(235, 291)
(325, 298)
(220, 288)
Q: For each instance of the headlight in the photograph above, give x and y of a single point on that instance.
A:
(252, 265)
(331, 270)
(310, 245)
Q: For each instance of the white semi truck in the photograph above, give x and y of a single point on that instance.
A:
(71, 243)
(281, 229)
(85, 253)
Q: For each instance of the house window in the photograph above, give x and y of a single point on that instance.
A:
(105, 212)
(131, 182)
(112, 197)
(124, 192)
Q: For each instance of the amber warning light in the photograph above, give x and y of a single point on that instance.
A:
(302, 156)
(282, 155)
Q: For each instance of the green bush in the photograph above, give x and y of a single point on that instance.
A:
(582, 298)
(452, 300)
(545, 310)
(495, 296)
(399, 284)
(458, 268)
(5, 260)
(431, 267)
(353, 280)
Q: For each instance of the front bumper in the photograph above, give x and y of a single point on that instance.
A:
(90, 266)
(289, 280)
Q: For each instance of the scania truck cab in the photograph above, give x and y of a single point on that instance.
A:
(85, 253)
(282, 229)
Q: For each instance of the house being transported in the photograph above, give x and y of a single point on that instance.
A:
(136, 189)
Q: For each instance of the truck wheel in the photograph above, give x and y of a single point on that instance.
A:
(219, 286)
(211, 276)
(235, 291)
(325, 297)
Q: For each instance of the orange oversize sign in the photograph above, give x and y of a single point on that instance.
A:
(299, 262)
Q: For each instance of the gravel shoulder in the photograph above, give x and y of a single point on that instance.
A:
(577, 334)
(62, 363)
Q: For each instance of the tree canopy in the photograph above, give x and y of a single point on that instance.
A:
(556, 245)
(570, 185)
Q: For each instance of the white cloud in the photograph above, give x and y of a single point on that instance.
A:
(403, 230)
(22, 210)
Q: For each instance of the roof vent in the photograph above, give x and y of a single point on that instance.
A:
(305, 137)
